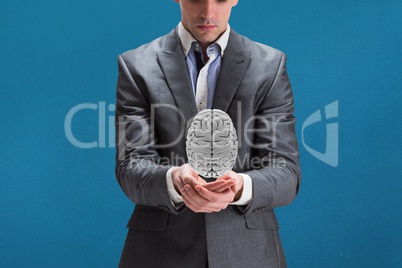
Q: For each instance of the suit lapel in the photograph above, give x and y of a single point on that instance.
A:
(234, 65)
(174, 67)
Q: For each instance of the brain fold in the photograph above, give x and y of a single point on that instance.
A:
(211, 143)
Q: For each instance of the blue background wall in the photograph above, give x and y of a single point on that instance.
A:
(60, 205)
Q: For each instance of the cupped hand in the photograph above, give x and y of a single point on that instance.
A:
(214, 196)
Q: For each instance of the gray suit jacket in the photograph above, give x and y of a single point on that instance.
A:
(155, 105)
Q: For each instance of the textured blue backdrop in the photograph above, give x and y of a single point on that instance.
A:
(60, 205)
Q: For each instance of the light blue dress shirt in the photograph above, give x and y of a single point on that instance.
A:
(213, 71)
(190, 45)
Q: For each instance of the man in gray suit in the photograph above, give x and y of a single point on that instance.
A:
(181, 220)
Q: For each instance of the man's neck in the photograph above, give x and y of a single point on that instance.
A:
(186, 39)
(205, 45)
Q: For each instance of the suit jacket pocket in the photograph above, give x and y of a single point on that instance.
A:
(148, 219)
(262, 221)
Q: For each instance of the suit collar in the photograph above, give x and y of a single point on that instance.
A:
(173, 64)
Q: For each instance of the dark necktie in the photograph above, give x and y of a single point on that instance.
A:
(198, 61)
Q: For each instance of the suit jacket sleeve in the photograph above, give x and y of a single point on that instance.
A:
(138, 169)
(277, 175)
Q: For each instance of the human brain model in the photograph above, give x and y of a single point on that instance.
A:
(211, 143)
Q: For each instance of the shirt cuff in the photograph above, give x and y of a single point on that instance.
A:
(173, 194)
(247, 194)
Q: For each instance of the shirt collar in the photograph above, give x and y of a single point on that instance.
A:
(187, 39)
